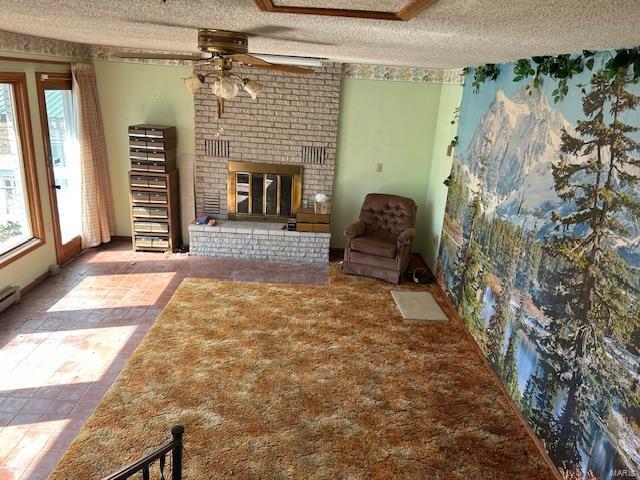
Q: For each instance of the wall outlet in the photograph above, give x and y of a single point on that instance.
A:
(378, 167)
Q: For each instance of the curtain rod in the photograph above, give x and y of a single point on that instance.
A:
(30, 60)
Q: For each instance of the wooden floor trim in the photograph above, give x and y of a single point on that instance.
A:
(33, 284)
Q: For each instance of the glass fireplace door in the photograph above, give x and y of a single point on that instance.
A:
(263, 194)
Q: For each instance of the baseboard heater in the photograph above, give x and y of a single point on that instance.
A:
(8, 297)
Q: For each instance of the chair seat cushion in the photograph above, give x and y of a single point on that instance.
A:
(374, 246)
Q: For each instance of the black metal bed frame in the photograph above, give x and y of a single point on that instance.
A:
(144, 464)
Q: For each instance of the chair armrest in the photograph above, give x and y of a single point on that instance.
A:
(357, 229)
(406, 237)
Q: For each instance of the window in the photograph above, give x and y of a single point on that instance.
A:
(20, 218)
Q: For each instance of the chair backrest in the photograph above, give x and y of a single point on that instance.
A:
(392, 213)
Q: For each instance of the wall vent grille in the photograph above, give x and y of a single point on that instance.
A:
(217, 148)
(314, 155)
(211, 203)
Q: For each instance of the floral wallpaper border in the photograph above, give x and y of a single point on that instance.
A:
(20, 43)
(98, 52)
(403, 74)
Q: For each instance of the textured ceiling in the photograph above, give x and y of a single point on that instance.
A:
(451, 33)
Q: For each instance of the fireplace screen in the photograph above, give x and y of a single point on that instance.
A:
(263, 191)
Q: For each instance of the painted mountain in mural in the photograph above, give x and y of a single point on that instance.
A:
(519, 137)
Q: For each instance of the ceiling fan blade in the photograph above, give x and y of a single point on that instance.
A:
(249, 60)
(158, 56)
(256, 62)
(284, 68)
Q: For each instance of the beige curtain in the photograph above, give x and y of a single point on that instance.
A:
(97, 198)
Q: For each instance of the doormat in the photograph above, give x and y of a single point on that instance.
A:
(418, 306)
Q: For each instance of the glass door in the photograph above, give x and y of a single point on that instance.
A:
(63, 157)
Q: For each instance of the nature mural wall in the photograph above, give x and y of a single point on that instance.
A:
(540, 250)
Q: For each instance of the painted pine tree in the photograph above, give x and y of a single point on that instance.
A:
(469, 273)
(509, 362)
(502, 315)
(593, 299)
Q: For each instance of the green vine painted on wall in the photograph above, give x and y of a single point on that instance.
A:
(558, 67)
(561, 68)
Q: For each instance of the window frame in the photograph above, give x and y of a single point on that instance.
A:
(18, 81)
(55, 81)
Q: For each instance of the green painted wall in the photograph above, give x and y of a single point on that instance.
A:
(139, 93)
(436, 194)
(401, 125)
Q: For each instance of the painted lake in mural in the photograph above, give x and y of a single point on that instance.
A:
(540, 254)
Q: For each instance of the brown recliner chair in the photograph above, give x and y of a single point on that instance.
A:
(379, 245)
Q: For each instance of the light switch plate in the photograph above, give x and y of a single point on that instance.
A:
(378, 167)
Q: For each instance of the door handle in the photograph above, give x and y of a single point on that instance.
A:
(57, 187)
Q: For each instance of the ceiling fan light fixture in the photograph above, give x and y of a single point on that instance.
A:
(225, 88)
(252, 87)
(193, 83)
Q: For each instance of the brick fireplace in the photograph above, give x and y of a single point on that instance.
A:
(292, 125)
(293, 122)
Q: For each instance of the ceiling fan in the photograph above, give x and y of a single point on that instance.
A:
(219, 44)
(221, 49)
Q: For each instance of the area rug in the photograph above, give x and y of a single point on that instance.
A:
(418, 306)
(291, 381)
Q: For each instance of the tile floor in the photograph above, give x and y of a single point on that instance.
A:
(62, 347)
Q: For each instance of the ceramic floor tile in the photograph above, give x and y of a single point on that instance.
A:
(10, 473)
(27, 449)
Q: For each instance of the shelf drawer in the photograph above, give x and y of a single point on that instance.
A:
(159, 144)
(150, 212)
(148, 241)
(150, 227)
(156, 131)
(137, 132)
(157, 182)
(137, 143)
(136, 154)
(157, 156)
(140, 197)
(158, 198)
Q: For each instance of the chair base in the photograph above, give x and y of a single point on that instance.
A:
(391, 276)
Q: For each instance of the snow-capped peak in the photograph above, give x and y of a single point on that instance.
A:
(519, 136)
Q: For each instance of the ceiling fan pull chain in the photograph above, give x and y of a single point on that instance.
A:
(219, 127)
(220, 108)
